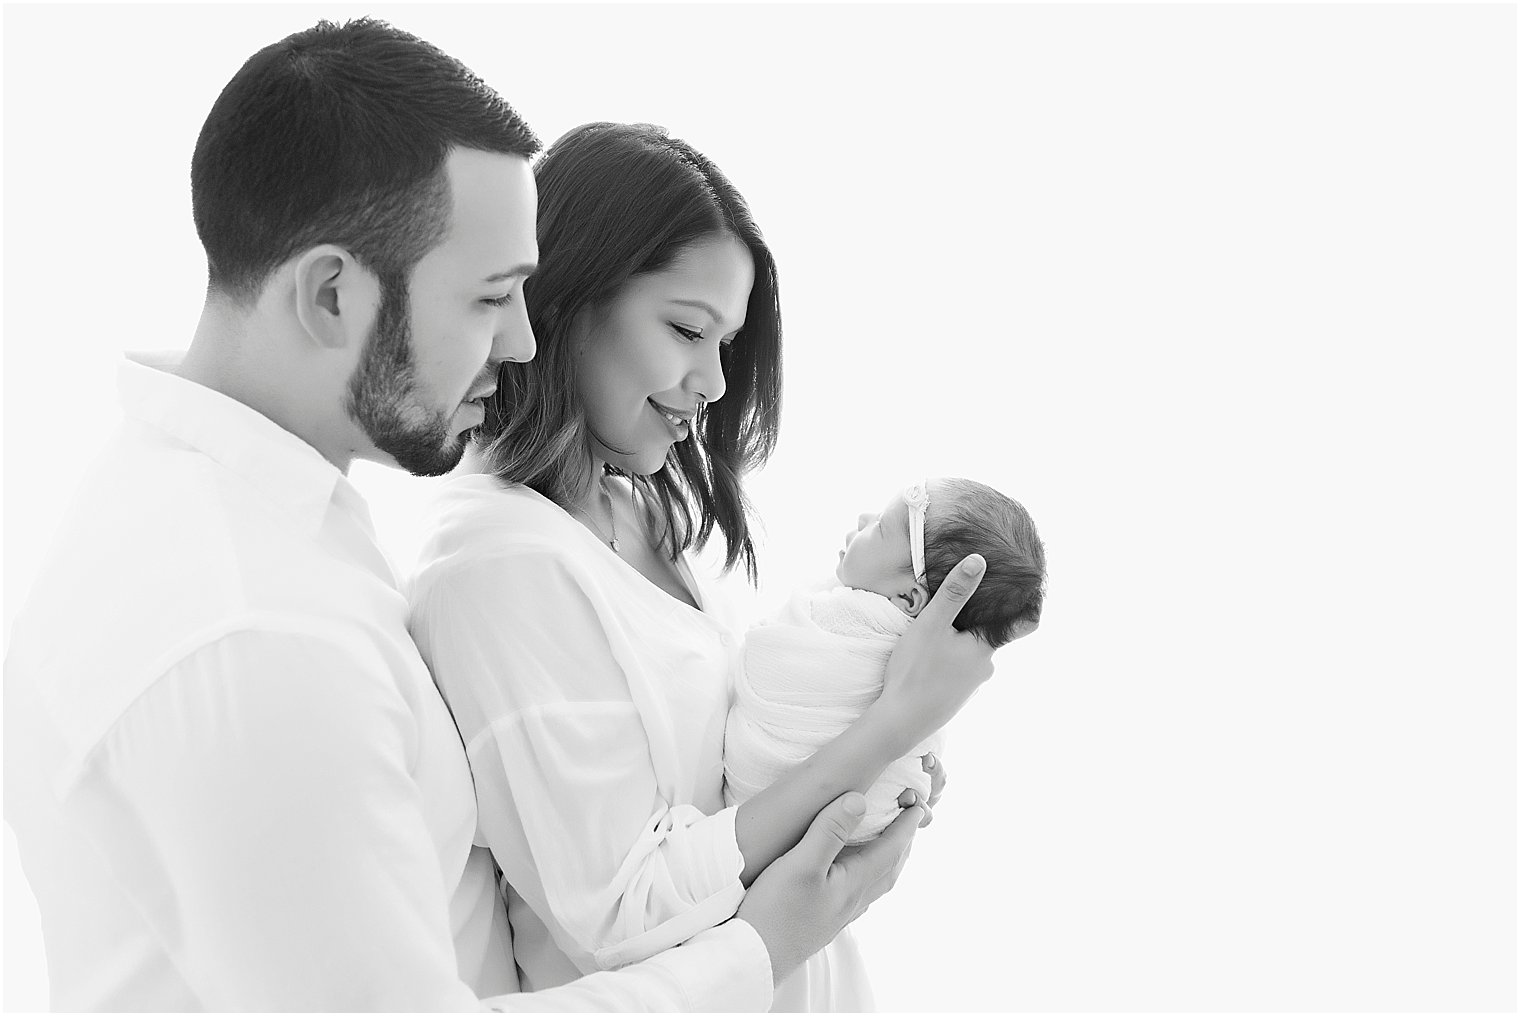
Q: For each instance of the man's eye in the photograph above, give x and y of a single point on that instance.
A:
(497, 301)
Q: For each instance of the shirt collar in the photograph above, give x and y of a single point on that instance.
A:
(289, 472)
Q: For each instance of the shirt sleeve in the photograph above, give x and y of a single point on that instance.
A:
(295, 868)
(570, 801)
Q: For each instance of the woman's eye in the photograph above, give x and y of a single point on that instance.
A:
(497, 301)
(687, 333)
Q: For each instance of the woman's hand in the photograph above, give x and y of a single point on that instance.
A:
(935, 668)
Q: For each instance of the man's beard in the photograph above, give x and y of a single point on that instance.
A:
(383, 398)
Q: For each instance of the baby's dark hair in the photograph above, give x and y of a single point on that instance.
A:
(966, 517)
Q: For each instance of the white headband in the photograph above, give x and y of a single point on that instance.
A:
(917, 498)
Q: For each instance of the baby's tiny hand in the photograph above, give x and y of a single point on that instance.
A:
(908, 798)
(937, 777)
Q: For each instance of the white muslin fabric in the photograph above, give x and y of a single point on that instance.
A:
(807, 674)
(233, 784)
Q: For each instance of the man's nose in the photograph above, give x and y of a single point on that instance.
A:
(514, 340)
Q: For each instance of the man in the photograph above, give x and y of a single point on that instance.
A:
(232, 781)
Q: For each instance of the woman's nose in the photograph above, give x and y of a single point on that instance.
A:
(706, 379)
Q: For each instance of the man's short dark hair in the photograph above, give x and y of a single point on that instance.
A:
(966, 517)
(338, 135)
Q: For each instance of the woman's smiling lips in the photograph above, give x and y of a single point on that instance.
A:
(678, 420)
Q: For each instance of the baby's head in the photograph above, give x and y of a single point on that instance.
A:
(949, 518)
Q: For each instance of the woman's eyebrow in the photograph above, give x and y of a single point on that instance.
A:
(703, 306)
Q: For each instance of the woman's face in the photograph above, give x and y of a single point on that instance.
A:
(651, 359)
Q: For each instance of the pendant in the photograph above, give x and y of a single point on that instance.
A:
(615, 549)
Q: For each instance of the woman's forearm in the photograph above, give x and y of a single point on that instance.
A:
(773, 821)
(931, 673)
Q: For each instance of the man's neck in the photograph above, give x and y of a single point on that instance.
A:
(231, 355)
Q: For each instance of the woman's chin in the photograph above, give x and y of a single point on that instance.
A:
(642, 463)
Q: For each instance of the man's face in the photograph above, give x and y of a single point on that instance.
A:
(437, 342)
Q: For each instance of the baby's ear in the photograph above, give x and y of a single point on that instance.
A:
(916, 596)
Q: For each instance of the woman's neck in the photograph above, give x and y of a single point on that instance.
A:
(591, 497)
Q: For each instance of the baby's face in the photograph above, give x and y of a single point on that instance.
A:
(877, 556)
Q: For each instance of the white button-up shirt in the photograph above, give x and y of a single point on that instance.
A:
(232, 781)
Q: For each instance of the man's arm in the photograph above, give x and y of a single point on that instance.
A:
(259, 805)
(794, 909)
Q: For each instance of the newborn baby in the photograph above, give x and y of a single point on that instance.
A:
(811, 670)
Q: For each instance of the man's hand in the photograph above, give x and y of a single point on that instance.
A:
(935, 668)
(807, 895)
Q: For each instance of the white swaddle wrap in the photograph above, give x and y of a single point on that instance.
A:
(807, 674)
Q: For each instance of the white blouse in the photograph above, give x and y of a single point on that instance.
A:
(591, 705)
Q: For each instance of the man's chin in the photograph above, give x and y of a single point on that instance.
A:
(444, 463)
(422, 458)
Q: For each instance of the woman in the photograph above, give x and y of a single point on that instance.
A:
(555, 604)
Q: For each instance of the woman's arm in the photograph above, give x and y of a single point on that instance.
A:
(931, 674)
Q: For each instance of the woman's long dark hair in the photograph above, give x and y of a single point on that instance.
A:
(616, 201)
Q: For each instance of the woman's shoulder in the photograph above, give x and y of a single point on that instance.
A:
(476, 504)
(476, 518)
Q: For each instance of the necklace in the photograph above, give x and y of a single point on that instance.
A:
(611, 518)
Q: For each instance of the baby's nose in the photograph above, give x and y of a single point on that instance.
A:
(865, 519)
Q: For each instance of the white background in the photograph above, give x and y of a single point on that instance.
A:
(1224, 294)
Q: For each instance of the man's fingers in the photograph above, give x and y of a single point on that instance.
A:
(913, 825)
(830, 829)
(873, 861)
(954, 591)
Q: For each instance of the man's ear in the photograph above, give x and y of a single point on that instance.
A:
(917, 596)
(336, 297)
